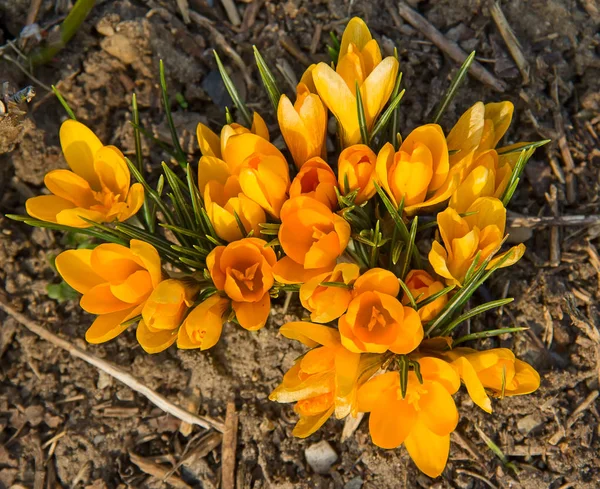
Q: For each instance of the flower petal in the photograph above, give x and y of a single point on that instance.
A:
(209, 142)
(311, 334)
(80, 145)
(391, 421)
(307, 425)
(253, 315)
(147, 257)
(75, 267)
(154, 341)
(47, 207)
(428, 450)
(109, 326)
(357, 33)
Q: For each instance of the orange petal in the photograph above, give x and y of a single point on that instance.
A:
(73, 217)
(149, 258)
(307, 425)
(377, 279)
(428, 450)
(489, 211)
(253, 315)
(311, 334)
(135, 200)
(80, 145)
(71, 187)
(152, 341)
(412, 333)
(474, 386)
(369, 394)
(377, 88)
(440, 371)
(109, 326)
(287, 271)
(100, 300)
(209, 142)
(259, 127)
(391, 421)
(357, 33)
(74, 266)
(112, 170)
(202, 328)
(437, 409)
(46, 207)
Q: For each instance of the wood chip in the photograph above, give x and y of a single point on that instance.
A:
(232, 12)
(584, 406)
(511, 41)
(185, 10)
(351, 425)
(228, 447)
(158, 471)
(450, 48)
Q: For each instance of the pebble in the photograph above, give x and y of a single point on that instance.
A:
(529, 423)
(320, 456)
(120, 47)
(355, 483)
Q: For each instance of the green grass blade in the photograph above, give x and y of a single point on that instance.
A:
(64, 103)
(180, 155)
(485, 334)
(475, 312)
(233, 93)
(534, 145)
(434, 297)
(362, 119)
(384, 119)
(516, 175)
(408, 293)
(410, 246)
(453, 88)
(268, 80)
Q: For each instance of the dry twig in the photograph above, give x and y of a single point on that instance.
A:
(228, 447)
(159, 471)
(542, 221)
(112, 370)
(350, 426)
(511, 41)
(450, 48)
(232, 12)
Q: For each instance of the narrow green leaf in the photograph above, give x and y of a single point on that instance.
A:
(385, 118)
(339, 285)
(192, 263)
(268, 80)
(403, 371)
(196, 198)
(516, 174)
(167, 148)
(181, 157)
(182, 202)
(416, 366)
(133, 320)
(534, 145)
(434, 297)
(64, 103)
(453, 88)
(149, 216)
(475, 312)
(485, 334)
(273, 242)
(410, 246)
(233, 93)
(240, 224)
(362, 119)
(408, 293)
(496, 449)
(228, 116)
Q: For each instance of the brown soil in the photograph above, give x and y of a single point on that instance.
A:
(552, 436)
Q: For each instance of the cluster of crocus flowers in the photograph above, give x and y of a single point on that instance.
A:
(347, 230)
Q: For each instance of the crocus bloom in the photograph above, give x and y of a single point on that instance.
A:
(162, 314)
(479, 129)
(242, 270)
(317, 180)
(115, 282)
(356, 167)
(223, 199)
(419, 172)
(312, 237)
(422, 285)
(322, 381)
(376, 321)
(303, 125)
(466, 237)
(213, 145)
(327, 303)
(202, 327)
(423, 420)
(486, 177)
(486, 371)
(359, 63)
(96, 188)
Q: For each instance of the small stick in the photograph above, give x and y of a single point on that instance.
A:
(228, 447)
(232, 12)
(34, 8)
(184, 8)
(351, 425)
(511, 41)
(542, 221)
(551, 198)
(450, 48)
(291, 48)
(250, 15)
(584, 406)
(157, 471)
(556, 169)
(112, 370)
(563, 145)
(316, 39)
(476, 476)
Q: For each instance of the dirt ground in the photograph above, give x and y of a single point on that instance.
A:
(64, 425)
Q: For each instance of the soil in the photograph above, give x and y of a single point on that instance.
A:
(62, 424)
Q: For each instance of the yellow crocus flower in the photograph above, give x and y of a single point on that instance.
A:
(96, 188)
(359, 62)
(464, 238)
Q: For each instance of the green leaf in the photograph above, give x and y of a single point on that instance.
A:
(340, 285)
(403, 371)
(240, 224)
(334, 51)
(516, 174)
(408, 293)
(233, 93)
(64, 103)
(453, 88)
(475, 312)
(385, 118)
(486, 334)
(180, 155)
(434, 297)
(133, 320)
(410, 246)
(182, 203)
(534, 145)
(61, 292)
(362, 119)
(416, 366)
(268, 80)
(196, 199)
(496, 449)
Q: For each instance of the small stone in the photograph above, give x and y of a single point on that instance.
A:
(121, 48)
(355, 483)
(320, 456)
(34, 415)
(529, 423)
(104, 380)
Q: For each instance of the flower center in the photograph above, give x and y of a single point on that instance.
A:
(246, 277)
(377, 319)
(318, 233)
